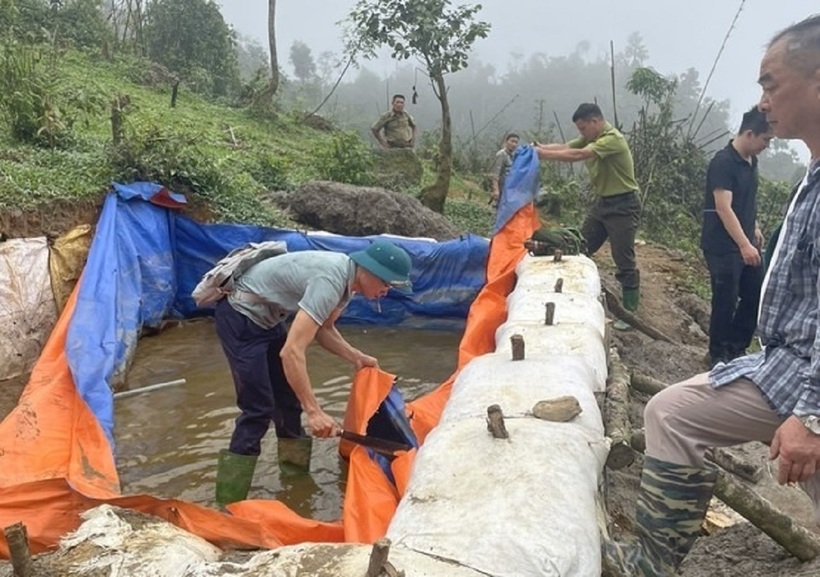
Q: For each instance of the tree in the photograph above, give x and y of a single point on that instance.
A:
(302, 60)
(191, 38)
(635, 52)
(266, 97)
(437, 35)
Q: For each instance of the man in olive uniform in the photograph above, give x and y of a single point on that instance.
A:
(399, 127)
(616, 213)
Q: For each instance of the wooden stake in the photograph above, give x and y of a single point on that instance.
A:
(615, 307)
(616, 415)
(378, 557)
(17, 539)
(559, 285)
(549, 314)
(517, 342)
(557, 256)
(495, 422)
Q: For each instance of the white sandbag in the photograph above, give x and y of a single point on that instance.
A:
(542, 341)
(27, 309)
(529, 305)
(579, 273)
(122, 543)
(147, 549)
(521, 507)
(517, 385)
(526, 506)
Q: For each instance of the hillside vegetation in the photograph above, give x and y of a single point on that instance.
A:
(87, 100)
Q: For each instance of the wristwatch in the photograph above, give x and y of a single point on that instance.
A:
(811, 422)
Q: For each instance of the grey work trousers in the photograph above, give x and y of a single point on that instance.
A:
(686, 419)
(616, 218)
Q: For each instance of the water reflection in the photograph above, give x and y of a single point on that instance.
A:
(168, 440)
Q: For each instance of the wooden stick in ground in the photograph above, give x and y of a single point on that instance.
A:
(646, 384)
(378, 557)
(792, 536)
(495, 422)
(616, 415)
(17, 539)
(615, 307)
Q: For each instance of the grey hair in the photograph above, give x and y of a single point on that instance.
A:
(802, 44)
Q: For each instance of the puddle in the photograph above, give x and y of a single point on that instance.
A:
(168, 439)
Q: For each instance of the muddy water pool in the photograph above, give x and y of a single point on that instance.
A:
(167, 440)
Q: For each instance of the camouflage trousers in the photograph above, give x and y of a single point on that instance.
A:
(672, 503)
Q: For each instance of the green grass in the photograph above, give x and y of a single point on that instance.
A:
(225, 155)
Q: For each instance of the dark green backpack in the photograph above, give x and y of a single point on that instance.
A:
(545, 241)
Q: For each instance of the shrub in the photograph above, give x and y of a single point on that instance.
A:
(345, 159)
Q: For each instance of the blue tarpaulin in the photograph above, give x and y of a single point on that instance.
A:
(145, 260)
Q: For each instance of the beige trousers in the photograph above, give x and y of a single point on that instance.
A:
(689, 417)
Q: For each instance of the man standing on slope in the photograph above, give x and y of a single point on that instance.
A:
(501, 166)
(731, 240)
(616, 213)
(399, 128)
(772, 396)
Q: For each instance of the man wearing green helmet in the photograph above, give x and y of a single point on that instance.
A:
(267, 358)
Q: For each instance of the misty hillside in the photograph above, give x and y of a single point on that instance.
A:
(96, 92)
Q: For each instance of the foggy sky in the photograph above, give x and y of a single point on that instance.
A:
(678, 35)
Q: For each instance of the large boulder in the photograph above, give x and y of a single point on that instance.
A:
(360, 211)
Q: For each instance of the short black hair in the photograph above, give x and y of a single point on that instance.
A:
(397, 96)
(511, 135)
(803, 48)
(587, 111)
(754, 120)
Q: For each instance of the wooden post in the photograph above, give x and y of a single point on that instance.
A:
(559, 285)
(517, 342)
(17, 539)
(495, 422)
(616, 415)
(792, 536)
(174, 92)
(378, 557)
(557, 255)
(549, 314)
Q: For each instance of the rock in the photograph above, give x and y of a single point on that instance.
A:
(361, 211)
(559, 410)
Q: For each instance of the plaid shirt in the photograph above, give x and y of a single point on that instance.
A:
(788, 371)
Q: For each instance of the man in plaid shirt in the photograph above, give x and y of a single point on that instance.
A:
(771, 396)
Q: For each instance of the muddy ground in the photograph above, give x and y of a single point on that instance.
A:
(668, 304)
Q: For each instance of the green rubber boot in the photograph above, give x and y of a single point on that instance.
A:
(630, 298)
(294, 455)
(672, 503)
(234, 474)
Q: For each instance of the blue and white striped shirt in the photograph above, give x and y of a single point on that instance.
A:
(788, 371)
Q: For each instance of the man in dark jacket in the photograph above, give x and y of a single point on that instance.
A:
(731, 240)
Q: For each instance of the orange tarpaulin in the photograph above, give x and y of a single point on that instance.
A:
(55, 460)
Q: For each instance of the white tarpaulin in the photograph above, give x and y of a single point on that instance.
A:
(526, 506)
(27, 309)
(113, 542)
